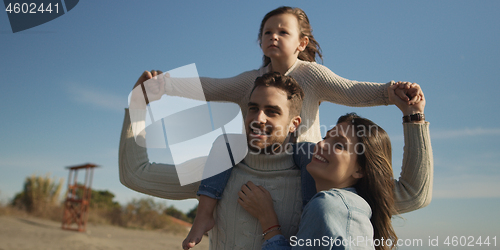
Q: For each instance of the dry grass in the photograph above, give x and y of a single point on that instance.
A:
(8, 211)
(145, 220)
(39, 198)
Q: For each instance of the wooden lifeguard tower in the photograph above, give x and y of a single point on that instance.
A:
(76, 204)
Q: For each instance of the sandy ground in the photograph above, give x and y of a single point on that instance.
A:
(33, 233)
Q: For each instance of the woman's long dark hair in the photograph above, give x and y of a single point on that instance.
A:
(377, 184)
(312, 50)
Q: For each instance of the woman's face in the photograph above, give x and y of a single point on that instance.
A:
(334, 163)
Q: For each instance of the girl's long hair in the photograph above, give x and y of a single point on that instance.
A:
(377, 184)
(312, 50)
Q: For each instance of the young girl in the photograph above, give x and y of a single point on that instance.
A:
(355, 200)
(289, 47)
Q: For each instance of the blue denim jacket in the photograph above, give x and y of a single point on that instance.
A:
(333, 219)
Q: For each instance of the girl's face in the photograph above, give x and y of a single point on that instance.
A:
(334, 164)
(281, 38)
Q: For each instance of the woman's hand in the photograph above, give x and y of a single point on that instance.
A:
(258, 202)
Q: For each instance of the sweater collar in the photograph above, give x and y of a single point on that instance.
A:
(267, 69)
(268, 162)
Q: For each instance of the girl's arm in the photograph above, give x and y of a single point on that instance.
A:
(328, 86)
(232, 89)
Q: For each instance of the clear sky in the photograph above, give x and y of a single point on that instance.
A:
(64, 85)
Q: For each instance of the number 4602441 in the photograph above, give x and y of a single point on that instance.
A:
(31, 8)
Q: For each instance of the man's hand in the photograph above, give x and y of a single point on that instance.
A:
(408, 107)
(149, 87)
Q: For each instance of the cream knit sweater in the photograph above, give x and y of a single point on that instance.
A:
(318, 82)
(235, 228)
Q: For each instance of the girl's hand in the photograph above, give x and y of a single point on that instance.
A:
(407, 91)
(408, 107)
(258, 202)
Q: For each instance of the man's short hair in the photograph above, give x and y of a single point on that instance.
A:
(293, 91)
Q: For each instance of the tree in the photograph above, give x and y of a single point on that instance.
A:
(174, 212)
(192, 213)
(103, 199)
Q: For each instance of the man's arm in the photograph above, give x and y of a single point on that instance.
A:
(413, 190)
(137, 173)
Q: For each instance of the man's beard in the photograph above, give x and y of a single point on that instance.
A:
(274, 147)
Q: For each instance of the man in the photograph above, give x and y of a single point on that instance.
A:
(269, 121)
(273, 113)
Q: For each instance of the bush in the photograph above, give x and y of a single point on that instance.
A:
(144, 213)
(40, 196)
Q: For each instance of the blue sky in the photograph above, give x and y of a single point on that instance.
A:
(65, 84)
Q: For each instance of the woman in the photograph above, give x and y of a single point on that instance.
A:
(354, 179)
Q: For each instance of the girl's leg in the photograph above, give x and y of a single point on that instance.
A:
(302, 155)
(210, 191)
(203, 222)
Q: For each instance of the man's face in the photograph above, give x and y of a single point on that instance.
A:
(268, 121)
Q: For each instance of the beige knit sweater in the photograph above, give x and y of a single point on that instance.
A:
(235, 228)
(318, 82)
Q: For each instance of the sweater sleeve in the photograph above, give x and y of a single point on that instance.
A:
(413, 190)
(330, 87)
(137, 173)
(231, 89)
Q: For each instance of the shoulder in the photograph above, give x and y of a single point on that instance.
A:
(312, 70)
(335, 212)
(308, 147)
(339, 200)
(251, 74)
(312, 66)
